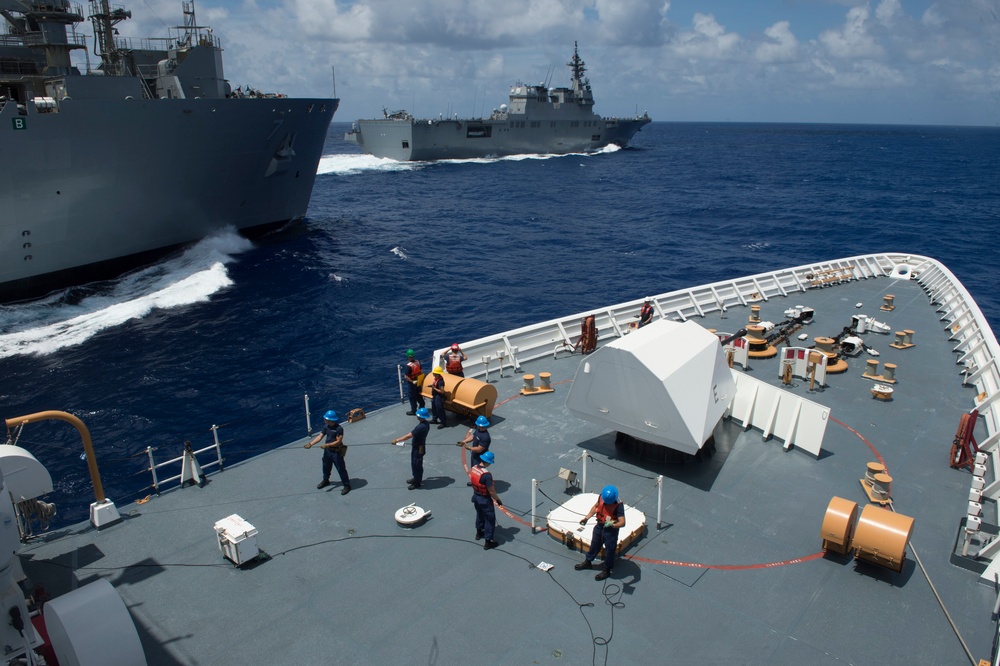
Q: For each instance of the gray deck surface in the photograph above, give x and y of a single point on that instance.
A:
(345, 584)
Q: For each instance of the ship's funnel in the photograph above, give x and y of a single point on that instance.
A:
(666, 383)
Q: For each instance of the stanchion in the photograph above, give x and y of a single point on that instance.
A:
(659, 500)
(534, 503)
(309, 428)
(583, 485)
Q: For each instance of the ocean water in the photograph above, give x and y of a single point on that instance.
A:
(395, 255)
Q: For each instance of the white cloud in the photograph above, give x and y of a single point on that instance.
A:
(326, 19)
(633, 22)
(452, 24)
(781, 44)
(708, 40)
(853, 39)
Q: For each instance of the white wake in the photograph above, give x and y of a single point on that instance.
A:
(45, 326)
(351, 164)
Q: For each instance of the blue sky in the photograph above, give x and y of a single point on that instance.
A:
(841, 61)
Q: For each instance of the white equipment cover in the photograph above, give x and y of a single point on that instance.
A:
(666, 383)
(563, 523)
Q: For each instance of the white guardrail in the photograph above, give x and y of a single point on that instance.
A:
(975, 343)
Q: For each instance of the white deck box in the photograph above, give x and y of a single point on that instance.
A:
(237, 539)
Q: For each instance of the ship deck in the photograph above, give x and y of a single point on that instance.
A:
(734, 574)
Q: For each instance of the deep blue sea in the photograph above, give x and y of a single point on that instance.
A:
(397, 255)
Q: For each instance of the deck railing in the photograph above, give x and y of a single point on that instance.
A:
(215, 447)
(975, 342)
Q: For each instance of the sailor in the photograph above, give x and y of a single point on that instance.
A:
(453, 359)
(477, 440)
(610, 518)
(419, 435)
(484, 493)
(646, 312)
(437, 398)
(414, 378)
(333, 451)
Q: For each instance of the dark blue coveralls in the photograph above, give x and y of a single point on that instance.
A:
(333, 459)
(417, 452)
(486, 516)
(606, 536)
(413, 371)
(437, 402)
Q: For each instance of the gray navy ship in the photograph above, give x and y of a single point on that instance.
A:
(105, 170)
(538, 120)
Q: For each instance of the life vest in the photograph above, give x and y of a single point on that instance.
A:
(646, 313)
(413, 369)
(475, 475)
(606, 511)
(453, 362)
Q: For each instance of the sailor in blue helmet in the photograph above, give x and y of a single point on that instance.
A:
(484, 493)
(333, 451)
(477, 440)
(419, 435)
(610, 518)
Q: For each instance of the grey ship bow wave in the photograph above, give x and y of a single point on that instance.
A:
(106, 170)
(538, 120)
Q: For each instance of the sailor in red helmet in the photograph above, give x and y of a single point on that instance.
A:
(483, 495)
(453, 359)
(610, 518)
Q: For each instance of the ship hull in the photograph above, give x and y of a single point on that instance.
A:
(421, 140)
(104, 185)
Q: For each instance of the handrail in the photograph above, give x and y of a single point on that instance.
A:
(95, 475)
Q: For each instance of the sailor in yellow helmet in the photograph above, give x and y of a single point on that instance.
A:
(438, 394)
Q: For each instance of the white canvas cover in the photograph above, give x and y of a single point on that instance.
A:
(666, 383)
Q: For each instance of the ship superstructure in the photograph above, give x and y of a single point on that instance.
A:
(105, 169)
(537, 119)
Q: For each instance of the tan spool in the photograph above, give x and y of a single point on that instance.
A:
(908, 336)
(529, 383)
(887, 302)
(873, 469)
(473, 397)
(900, 339)
(546, 380)
(871, 368)
(451, 382)
(468, 396)
(838, 525)
(881, 537)
(755, 313)
(824, 344)
(888, 372)
(755, 334)
(882, 486)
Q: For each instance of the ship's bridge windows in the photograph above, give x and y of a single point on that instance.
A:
(406, 144)
(536, 123)
(552, 124)
(574, 123)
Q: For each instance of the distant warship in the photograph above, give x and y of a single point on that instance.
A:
(538, 120)
(151, 150)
